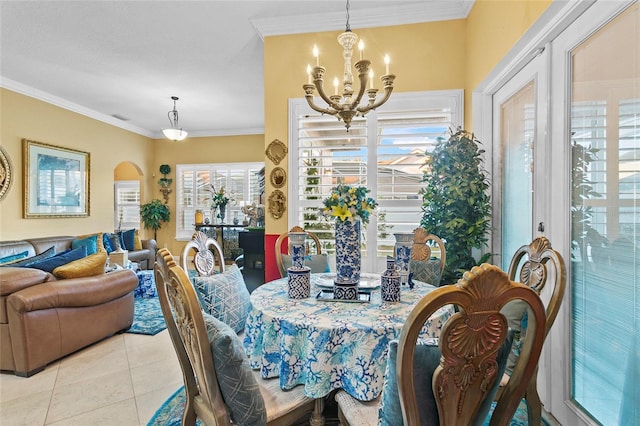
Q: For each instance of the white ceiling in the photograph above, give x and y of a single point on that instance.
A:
(127, 58)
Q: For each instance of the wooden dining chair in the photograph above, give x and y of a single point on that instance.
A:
(534, 273)
(458, 377)
(208, 254)
(220, 387)
(423, 265)
(318, 262)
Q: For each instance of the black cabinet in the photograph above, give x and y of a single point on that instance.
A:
(252, 244)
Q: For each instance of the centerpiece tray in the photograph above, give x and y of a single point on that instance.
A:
(326, 295)
(367, 281)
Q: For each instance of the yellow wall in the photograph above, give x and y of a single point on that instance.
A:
(25, 117)
(222, 149)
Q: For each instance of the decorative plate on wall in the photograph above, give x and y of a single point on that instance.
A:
(277, 204)
(276, 151)
(278, 177)
(6, 173)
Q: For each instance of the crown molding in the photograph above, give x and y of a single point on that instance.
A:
(215, 133)
(427, 11)
(63, 103)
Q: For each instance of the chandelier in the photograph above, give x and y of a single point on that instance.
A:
(347, 106)
(175, 133)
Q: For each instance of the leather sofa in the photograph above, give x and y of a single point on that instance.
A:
(43, 318)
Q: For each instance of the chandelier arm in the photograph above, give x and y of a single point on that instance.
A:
(362, 75)
(388, 88)
(314, 107)
(320, 88)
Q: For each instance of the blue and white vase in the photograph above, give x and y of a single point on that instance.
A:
(348, 255)
(390, 282)
(298, 249)
(299, 282)
(402, 251)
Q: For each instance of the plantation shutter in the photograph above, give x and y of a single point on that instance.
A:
(127, 204)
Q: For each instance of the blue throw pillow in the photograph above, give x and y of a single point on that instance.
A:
(91, 243)
(238, 385)
(426, 358)
(225, 296)
(106, 242)
(13, 257)
(50, 252)
(114, 241)
(51, 263)
(127, 239)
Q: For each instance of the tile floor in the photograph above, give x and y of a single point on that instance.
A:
(119, 381)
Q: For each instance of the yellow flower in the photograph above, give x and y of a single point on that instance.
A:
(341, 212)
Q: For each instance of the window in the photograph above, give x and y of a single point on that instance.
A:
(127, 204)
(240, 180)
(384, 151)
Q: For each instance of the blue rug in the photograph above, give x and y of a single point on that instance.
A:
(147, 317)
(170, 413)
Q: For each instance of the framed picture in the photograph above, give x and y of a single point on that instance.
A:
(56, 181)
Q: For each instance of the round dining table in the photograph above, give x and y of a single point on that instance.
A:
(326, 344)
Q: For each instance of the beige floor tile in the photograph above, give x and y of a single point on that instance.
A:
(29, 410)
(94, 365)
(156, 375)
(152, 351)
(104, 346)
(149, 403)
(13, 387)
(123, 413)
(81, 397)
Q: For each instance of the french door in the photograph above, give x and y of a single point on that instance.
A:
(565, 131)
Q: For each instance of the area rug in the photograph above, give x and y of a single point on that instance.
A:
(147, 317)
(170, 413)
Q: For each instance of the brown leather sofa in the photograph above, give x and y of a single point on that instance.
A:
(43, 319)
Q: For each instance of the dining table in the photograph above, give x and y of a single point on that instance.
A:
(328, 344)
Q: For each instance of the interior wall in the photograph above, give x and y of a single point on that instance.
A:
(24, 117)
(205, 150)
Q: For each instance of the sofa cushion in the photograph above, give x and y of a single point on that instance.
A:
(51, 263)
(225, 296)
(137, 242)
(106, 242)
(15, 279)
(50, 252)
(127, 239)
(238, 385)
(12, 258)
(114, 241)
(89, 242)
(86, 267)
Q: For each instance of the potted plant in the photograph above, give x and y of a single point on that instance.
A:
(153, 214)
(164, 182)
(456, 204)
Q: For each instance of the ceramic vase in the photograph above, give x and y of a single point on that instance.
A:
(222, 212)
(348, 256)
(299, 282)
(298, 249)
(402, 251)
(390, 282)
(345, 290)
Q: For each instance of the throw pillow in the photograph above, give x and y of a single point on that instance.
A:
(427, 271)
(106, 242)
(127, 239)
(86, 267)
(225, 296)
(426, 358)
(13, 258)
(114, 241)
(137, 242)
(50, 252)
(91, 243)
(319, 263)
(238, 385)
(51, 263)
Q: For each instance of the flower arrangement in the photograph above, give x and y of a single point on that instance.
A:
(349, 203)
(218, 198)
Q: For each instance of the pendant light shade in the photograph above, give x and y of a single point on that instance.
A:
(175, 133)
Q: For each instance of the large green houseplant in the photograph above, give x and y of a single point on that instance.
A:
(456, 204)
(153, 214)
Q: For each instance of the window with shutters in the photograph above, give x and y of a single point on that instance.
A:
(384, 151)
(126, 204)
(241, 182)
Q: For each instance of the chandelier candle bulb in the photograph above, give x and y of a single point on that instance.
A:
(371, 79)
(309, 74)
(316, 54)
(336, 83)
(386, 63)
(361, 48)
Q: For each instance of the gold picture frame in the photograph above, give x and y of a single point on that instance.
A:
(276, 151)
(277, 204)
(278, 177)
(56, 181)
(6, 173)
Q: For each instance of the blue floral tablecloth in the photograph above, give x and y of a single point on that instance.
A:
(328, 345)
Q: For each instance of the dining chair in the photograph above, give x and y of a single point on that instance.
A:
(318, 262)
(534, 273)
(423, 265)
(457, 378)
(208, 253)
(220, 387)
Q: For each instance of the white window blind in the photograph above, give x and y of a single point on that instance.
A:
(126, 204)
(384, 151)
(240, 181)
